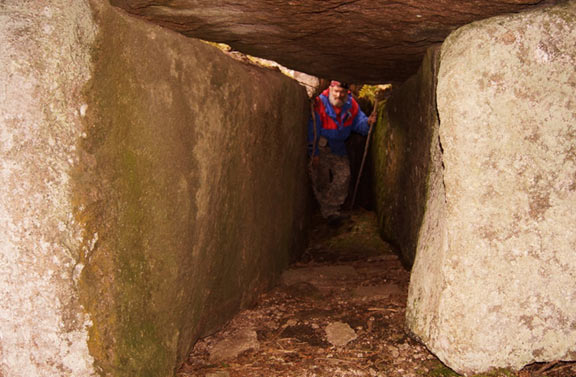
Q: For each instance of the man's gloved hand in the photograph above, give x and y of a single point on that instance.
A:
(372, 119)
(315, 161)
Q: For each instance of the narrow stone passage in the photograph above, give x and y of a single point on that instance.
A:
(338, 312)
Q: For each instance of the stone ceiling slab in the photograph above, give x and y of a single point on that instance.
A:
(352, 40)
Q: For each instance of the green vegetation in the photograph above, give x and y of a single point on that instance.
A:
(443, 371)
(371, 92)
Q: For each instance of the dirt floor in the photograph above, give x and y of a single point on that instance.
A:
(339, 312)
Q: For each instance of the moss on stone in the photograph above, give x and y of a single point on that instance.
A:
(192, 178)
(402, 157)
(117, 284)
(379, 154)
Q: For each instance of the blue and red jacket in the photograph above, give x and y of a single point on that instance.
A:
(336, 124)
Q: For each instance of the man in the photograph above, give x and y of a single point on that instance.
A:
(336, 115)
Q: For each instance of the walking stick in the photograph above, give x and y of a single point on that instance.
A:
(374, 111)
(322, 84)
(315, 134)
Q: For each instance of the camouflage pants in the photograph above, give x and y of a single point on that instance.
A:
(330, 181)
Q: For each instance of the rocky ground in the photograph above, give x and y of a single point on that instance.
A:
(339, 312)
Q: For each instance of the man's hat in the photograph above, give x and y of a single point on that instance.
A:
(344, 85)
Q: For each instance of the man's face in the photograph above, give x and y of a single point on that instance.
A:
(338, 96)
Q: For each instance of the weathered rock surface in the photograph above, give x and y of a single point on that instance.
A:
(493, 282)
(44, 63)
(150, 187)
(360, 40)
(339, 334)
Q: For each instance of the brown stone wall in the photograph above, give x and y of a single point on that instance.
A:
(405, 134)
(194, 183)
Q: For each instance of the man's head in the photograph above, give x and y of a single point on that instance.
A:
(338, 93)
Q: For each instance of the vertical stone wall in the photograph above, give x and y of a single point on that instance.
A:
(405, 135)
(493, 282)
(195, 176)
(151, 187)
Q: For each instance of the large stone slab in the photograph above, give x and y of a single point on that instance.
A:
(493, 282)
(150, 186)
(385, 40)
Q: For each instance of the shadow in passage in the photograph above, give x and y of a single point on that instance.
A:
(339, 311)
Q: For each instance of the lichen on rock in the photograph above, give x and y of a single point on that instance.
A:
(44, 62)
(505, 237)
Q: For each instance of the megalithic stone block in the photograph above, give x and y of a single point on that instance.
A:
(493, 283)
